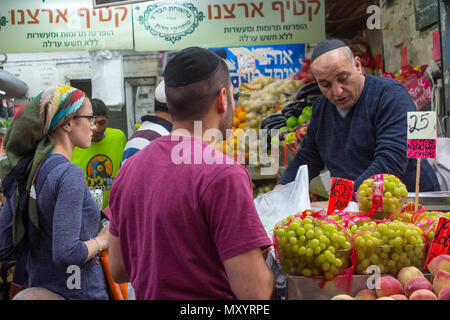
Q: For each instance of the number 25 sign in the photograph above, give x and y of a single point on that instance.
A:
(421, 134)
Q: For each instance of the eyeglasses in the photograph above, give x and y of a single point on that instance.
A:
(90, 118)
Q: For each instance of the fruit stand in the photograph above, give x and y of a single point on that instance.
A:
(360, 255)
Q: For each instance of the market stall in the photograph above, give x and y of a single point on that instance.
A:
(340, 255)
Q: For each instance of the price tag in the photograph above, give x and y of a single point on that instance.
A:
(441, 241)
(341, 192)
(421, 125)
(410, 208)
(421, 148)
(421, 134)
(246, 63)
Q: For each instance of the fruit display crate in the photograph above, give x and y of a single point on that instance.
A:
(434, 200)
(291, 287)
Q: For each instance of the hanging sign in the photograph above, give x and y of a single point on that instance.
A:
(53, 25)
(275, 61)
(174, 25)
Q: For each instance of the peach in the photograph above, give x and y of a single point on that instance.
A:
(441, 280)
(417, 283)
(399, 297)
(343, 297)
(388, 286)
(366, 294)
(441, 262)
(386, 298)
(444, 294)
(423, 294)
(407, 273)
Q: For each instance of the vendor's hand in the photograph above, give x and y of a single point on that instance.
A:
(278, 186)
(103, 236)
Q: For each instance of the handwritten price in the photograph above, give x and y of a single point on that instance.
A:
(341, 192)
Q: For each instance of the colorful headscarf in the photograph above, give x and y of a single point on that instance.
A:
(28, 142)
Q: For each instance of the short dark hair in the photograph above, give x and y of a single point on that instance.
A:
(160, 107)
(99, 107)
(192, 101)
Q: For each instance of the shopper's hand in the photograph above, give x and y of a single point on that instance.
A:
(102, 237)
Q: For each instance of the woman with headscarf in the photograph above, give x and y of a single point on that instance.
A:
(49, 216)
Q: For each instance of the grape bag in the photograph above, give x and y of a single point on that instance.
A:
(390, 245)
(428, 221)
(381, 195)
(311, 245)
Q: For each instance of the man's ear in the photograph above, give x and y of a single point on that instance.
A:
(358, 65)
(222, 101)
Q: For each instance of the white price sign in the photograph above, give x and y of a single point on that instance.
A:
(421, 125)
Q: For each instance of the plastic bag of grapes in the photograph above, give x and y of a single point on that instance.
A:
(381, 195)
(308, 244)
(389, 245)
(428, 221)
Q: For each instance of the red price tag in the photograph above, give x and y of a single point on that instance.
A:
(410, 208)
(421, 148)
(341, 193)
(441, 241)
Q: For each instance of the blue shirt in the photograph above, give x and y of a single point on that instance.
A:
(68, 216)
(371, 139)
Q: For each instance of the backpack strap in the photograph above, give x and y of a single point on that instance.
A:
(20, 267)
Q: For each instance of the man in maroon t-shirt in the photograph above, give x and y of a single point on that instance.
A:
(183, 221)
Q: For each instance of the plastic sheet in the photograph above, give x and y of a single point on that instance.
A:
(282, 202)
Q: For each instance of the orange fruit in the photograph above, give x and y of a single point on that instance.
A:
(242, 125)
(241, 116)
(236, 122)
(224, 146)
(237, 110)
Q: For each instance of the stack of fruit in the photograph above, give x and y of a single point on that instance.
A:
(389, 245)
(243, 149)
(410, 284)
(261, 188)
(428, 221)
(265, 96)
(391, 193)
(239, 118)
(294, 128)
(311, 247)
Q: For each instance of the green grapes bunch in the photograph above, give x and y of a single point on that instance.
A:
(391, 246)
(394, 195)
(361, 226)
(402, 217)
(311, 247)
(428, 222)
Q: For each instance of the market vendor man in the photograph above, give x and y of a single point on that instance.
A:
(358, 126)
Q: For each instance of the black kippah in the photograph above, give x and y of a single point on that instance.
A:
(325, 46)
(190, 65)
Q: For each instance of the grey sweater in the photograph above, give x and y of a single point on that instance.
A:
(68, 216)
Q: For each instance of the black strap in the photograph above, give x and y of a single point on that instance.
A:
(46, 168)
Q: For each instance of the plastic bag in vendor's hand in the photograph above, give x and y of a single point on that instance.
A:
(287, 200)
